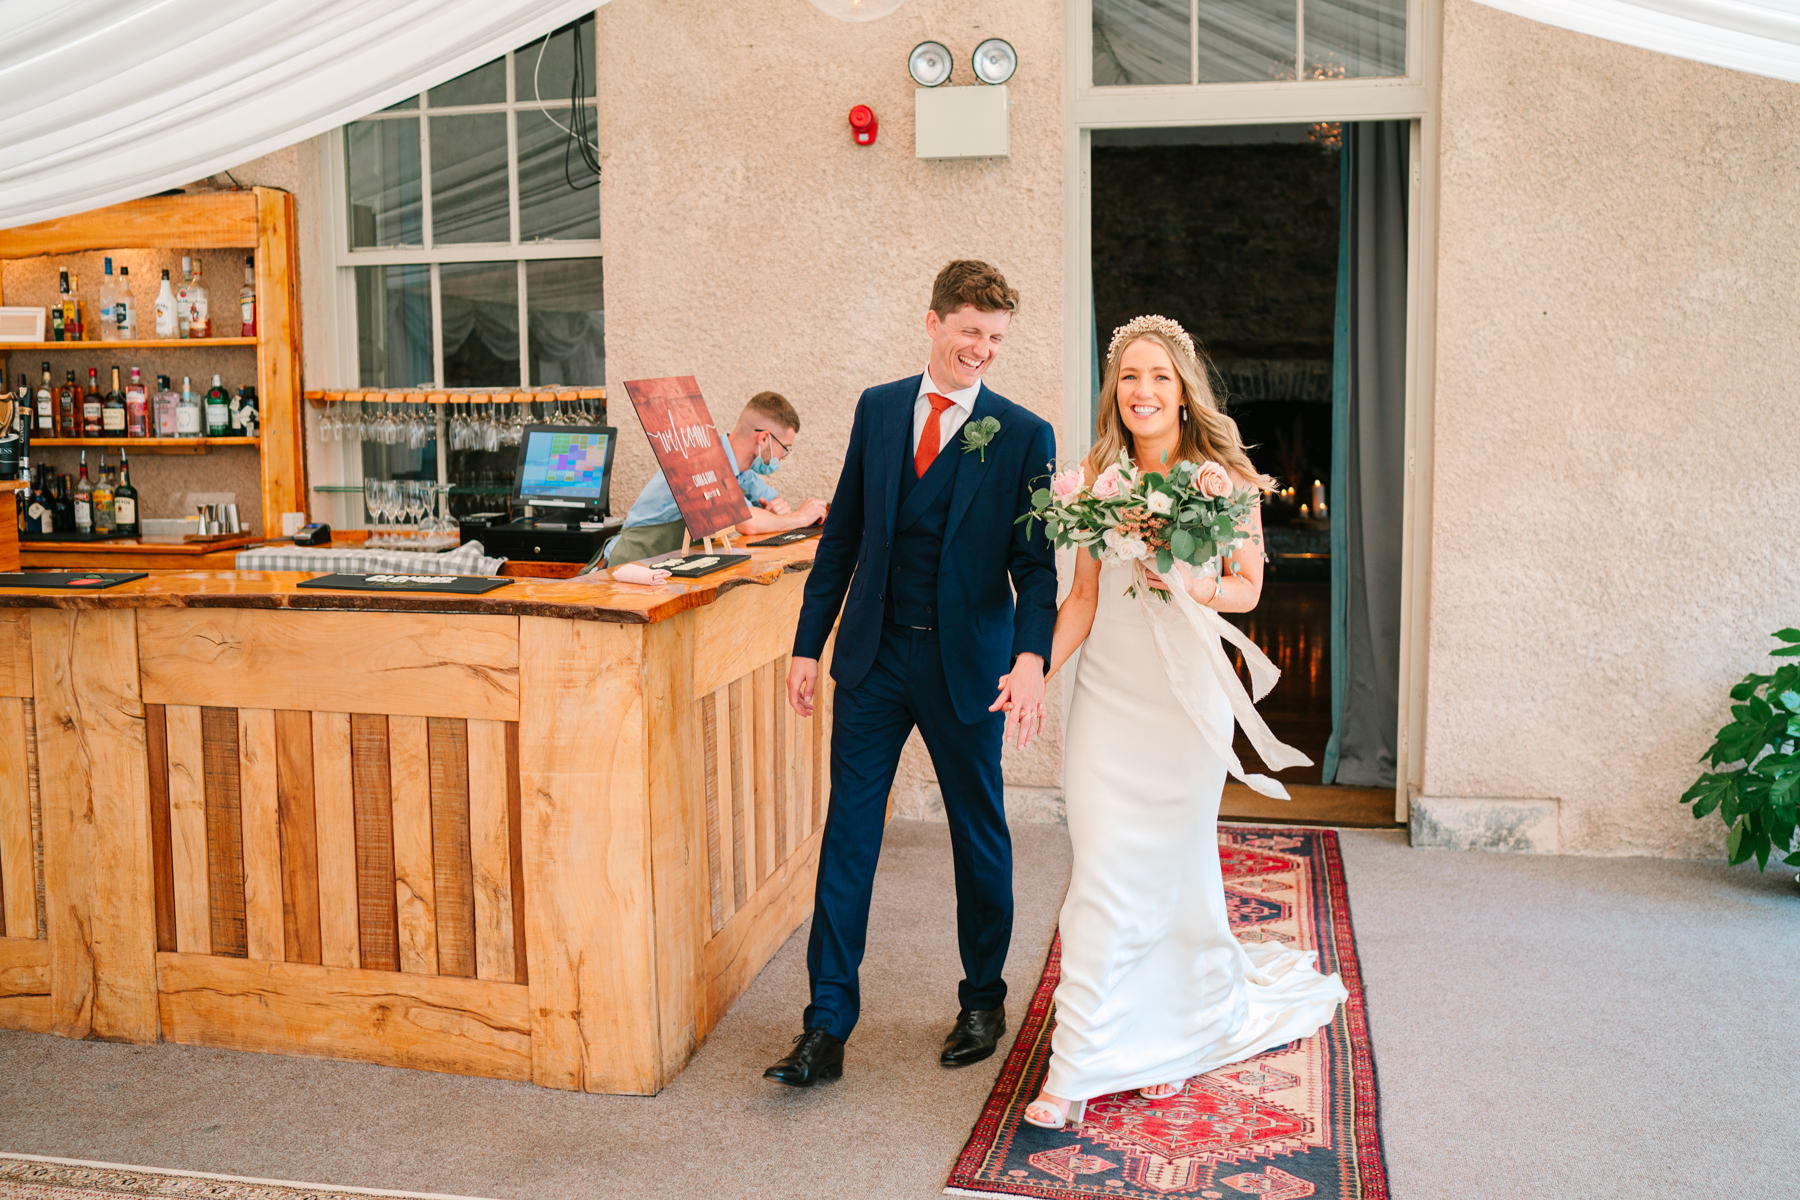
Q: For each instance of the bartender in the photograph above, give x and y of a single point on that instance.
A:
(763, 436)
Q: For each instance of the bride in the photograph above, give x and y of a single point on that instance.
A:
(1154, 986)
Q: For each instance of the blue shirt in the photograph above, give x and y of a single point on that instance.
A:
(656, 505)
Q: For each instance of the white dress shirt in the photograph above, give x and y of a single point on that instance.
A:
(961, 405)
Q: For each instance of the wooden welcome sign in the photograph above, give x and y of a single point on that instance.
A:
(688, 449)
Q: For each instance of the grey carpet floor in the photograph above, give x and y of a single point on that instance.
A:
(1565, 1027)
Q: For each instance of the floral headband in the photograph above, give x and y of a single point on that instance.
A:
(1138, 326)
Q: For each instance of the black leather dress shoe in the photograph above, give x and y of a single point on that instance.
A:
(816, 1056)
(976, 1034)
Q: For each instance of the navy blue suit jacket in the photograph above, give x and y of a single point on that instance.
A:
(987, 553)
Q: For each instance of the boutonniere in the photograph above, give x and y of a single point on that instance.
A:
(977, 434)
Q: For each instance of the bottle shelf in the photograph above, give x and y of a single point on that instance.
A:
(131, 344)
(158, 445)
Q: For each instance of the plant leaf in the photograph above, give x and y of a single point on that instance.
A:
(1788, 635)
(1707, 792)
(1734, 842)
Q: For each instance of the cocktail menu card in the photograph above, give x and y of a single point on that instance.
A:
(85, 581)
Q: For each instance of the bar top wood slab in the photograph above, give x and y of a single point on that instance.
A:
(131, 546)
(593, 597)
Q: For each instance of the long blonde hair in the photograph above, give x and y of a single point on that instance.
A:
(1206, 432)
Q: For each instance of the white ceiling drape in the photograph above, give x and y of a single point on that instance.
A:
(109, 100)
(1758, 36)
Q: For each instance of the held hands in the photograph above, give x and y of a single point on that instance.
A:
(802, 680)
(1021, 698)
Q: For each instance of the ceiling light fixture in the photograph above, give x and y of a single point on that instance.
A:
(995, 61)
(857, 10)
(930, 63)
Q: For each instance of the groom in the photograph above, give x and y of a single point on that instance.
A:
(923, 536)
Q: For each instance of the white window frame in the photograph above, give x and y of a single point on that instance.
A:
(339, 260)
(1411, 97)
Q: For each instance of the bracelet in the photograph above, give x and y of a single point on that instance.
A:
(1218, 587)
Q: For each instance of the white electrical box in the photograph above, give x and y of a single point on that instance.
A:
(962, 122)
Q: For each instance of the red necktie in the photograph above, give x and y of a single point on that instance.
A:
(930, 437)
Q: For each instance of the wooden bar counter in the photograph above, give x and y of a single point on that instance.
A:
(550, 833)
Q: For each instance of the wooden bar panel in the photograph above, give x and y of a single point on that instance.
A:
(15, 652)
(187, 830)
(717, 876)
(224, 830)
(762, 758)
(25, 984)
(18, 868)
(415, 889)
(677, 801)
(94, 774)
(587, 856)
(732, 959)
(260, 805)
(743, 800)
(720, 766)
(780, 751)
(452, 864)
(426, 1022)
(732, 640)
(515, 832)
(414, 664)
(490, 852)
(377, 929)
(340, 917)
(156, 739)
(299, 837)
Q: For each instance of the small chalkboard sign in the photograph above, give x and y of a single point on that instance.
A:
(84, 581)
(693, 566)
(788, 538)
(464, 585)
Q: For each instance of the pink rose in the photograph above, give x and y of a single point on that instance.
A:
(1109, 483)
(1065, 486)
(1212, 481)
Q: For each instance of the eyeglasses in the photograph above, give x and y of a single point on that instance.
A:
(785, 448)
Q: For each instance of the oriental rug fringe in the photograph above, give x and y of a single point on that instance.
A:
(1298, 1122)
(27, 1177)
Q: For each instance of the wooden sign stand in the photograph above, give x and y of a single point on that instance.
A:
(706, 543)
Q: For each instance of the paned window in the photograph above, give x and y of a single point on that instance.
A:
(1180, 42)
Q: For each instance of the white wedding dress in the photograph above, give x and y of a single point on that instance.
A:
(1154, 987)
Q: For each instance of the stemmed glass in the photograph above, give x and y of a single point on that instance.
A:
(416, 499)
(372, 499)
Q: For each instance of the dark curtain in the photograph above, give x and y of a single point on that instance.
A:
(1368, 477)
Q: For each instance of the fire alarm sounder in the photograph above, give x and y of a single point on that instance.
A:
(863, 125)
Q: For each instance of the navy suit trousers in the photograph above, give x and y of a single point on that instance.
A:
(905, 688)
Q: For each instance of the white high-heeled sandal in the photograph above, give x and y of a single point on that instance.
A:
(1069, 1112)
(1162, 1091)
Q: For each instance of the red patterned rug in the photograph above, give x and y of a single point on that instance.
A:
(1294, 1123)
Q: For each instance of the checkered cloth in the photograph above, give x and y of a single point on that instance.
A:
(470, 558)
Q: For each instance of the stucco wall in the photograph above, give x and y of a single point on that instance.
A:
(1617, 463)
(749, 242)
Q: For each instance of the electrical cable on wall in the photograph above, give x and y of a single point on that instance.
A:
(580, 129)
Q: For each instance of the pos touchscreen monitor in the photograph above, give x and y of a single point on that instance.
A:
(567, 466)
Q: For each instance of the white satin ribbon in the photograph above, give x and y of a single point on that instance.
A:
(1192, 660)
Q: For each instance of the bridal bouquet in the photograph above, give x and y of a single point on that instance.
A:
(1189, 513)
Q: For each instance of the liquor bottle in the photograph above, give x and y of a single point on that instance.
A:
(23, 418)
(59, 318)
(187, 412)
(10, 408)
(181, 295)
(199, 325)
(137, 407)
(163, 406)
(245, 415)
(68, 407)
(40, 512)
(112, 411)
(109, 303)
(74, 318)
(93, 405)
(218, 410)
(84, 500)
(102, 499)
(125, 314)
(166, 322)
(247, 297)
(125, 501)
(46, 406)
(64, 521)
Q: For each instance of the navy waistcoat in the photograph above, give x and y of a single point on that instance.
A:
(919, 525)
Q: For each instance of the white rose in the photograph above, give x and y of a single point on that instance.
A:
(1160, 503)
(1125, 549)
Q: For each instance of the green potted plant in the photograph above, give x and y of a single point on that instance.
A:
(1754, 783)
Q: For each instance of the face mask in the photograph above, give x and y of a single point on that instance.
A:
(765, 466)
